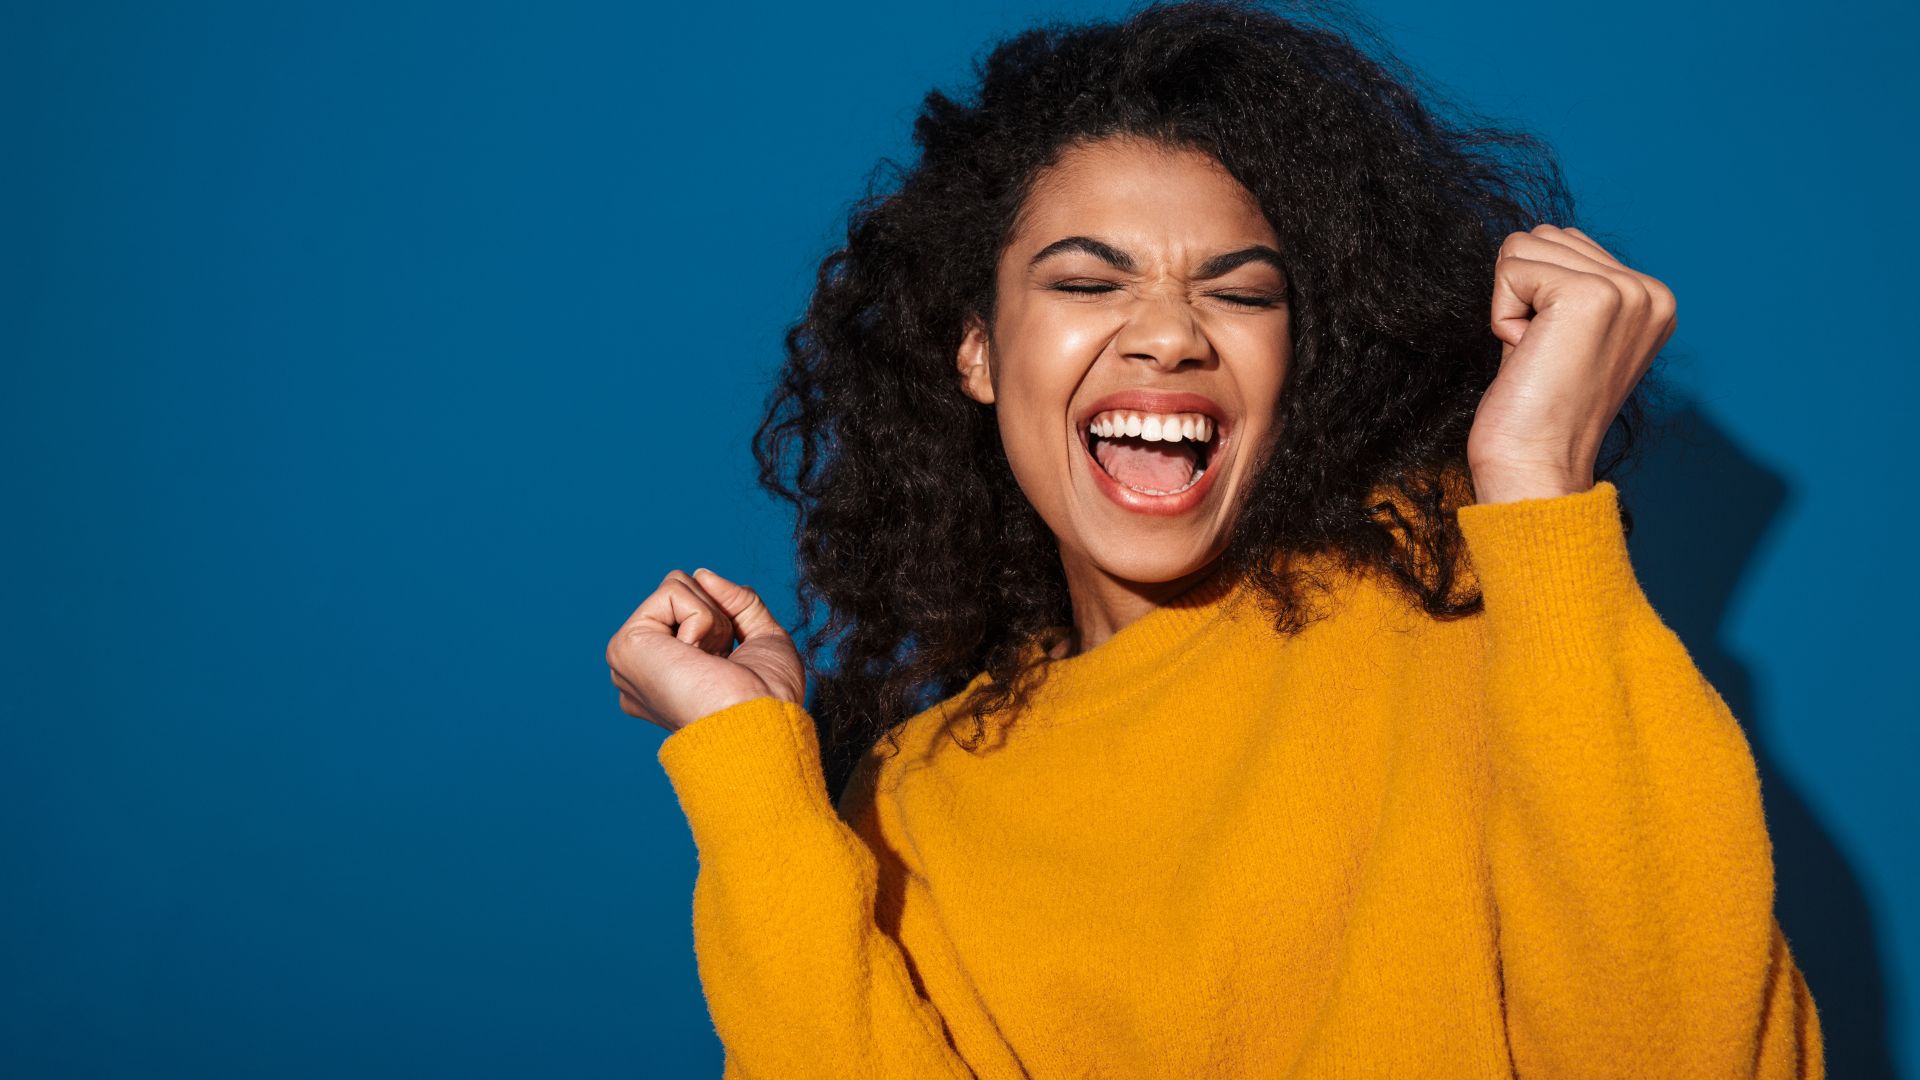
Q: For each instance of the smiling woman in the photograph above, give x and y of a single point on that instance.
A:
(1164, 302)
(1228, 428)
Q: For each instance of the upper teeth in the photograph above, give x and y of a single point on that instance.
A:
(1154, 427)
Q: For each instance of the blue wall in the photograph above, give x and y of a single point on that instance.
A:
(362, 366)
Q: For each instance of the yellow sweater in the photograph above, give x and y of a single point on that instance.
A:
(1528, 842)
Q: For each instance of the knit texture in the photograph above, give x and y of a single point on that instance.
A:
(1527, 842)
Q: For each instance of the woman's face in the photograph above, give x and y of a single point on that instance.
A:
(1141, 295)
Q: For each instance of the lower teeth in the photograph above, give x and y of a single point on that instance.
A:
(1192, 480)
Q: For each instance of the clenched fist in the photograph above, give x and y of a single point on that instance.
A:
(1578, 328)
(675, 660)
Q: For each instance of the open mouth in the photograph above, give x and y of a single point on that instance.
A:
(1153, 454)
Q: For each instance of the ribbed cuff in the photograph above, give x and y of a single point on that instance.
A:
(1555, 575)
(750, 771)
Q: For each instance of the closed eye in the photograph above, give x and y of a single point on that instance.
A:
(1232, 298)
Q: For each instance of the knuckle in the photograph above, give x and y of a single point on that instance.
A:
(1664, 302)
(1633, 294)
(1602, 294)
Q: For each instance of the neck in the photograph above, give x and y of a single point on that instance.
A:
(1103, 605)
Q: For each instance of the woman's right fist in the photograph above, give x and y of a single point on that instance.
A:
(675, 661)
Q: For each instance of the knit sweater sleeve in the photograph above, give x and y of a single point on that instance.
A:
(800, 979)
(1631, 868)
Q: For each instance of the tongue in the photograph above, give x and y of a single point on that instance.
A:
(1155, 466)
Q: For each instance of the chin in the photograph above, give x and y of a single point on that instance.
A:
(1145, 566)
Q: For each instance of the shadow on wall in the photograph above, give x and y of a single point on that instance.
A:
(1701, 508)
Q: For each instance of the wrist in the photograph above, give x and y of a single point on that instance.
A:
(1501, 484)
(717, 704)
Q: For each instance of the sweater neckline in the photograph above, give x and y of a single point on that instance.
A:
(1140, 654)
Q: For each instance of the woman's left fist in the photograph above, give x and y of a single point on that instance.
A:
(1579, 329)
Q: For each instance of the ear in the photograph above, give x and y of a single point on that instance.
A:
(976, 362)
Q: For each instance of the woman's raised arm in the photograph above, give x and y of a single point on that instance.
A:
(800, 979)
(1631, 866)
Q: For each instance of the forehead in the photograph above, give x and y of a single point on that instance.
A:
(1135, 192)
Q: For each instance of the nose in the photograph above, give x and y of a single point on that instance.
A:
(1163, 331)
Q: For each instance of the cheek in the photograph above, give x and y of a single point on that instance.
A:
(1032, 418)
(1032, 441)
(1264, 374)
(1034, 395)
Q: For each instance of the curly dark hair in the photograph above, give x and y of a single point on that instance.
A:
(933, 565)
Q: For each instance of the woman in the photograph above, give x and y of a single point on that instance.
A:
(1238, 669)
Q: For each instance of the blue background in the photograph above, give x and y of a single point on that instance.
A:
(362, 366)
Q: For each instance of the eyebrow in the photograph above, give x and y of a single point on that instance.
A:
(1120, 260)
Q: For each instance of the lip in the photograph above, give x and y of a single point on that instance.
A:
(1162, 401)
(1143, 399)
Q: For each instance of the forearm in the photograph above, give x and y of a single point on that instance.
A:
(799, 978)
(1631, 864)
